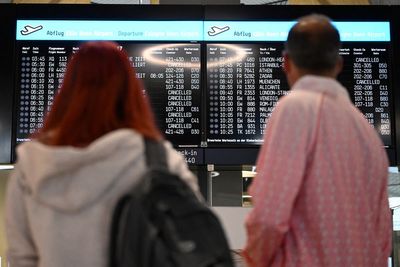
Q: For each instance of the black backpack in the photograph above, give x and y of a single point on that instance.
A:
(161, 223)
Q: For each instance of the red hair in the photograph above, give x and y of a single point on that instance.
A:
(100, 93)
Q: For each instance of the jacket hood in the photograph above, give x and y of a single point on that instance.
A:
(69, 178)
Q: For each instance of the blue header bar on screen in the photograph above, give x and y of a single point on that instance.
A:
(364, 31)
(60, 30)
(278, 31)
(231, 31)
(246, 30)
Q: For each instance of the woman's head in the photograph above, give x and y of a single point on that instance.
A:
(100, 93)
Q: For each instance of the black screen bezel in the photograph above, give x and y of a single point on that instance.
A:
(7, 66)
(10, 13)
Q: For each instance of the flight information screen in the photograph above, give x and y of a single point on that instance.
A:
(170, 71)
(245, 78)
(210, 83)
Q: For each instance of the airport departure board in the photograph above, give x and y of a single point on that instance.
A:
(211, 84)
(169, 71)
(245, 79)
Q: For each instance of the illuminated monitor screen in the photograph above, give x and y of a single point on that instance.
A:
(165, 55)
(245, 78)
(212, 84)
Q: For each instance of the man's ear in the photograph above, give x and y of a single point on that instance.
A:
(286, 66)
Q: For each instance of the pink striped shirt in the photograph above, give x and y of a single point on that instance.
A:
(320, 195)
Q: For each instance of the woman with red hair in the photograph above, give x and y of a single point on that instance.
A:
(89, 152)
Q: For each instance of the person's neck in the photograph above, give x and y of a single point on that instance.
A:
(301, 73)
(324, 74)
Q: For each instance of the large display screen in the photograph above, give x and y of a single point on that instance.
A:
(170, 71)
(213, 76)
(245, 78)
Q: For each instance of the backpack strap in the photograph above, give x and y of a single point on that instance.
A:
(155, 154)
(156, 159)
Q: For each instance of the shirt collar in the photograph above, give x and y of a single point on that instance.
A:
(321, 84)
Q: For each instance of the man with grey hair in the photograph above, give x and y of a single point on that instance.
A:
(320, 194)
